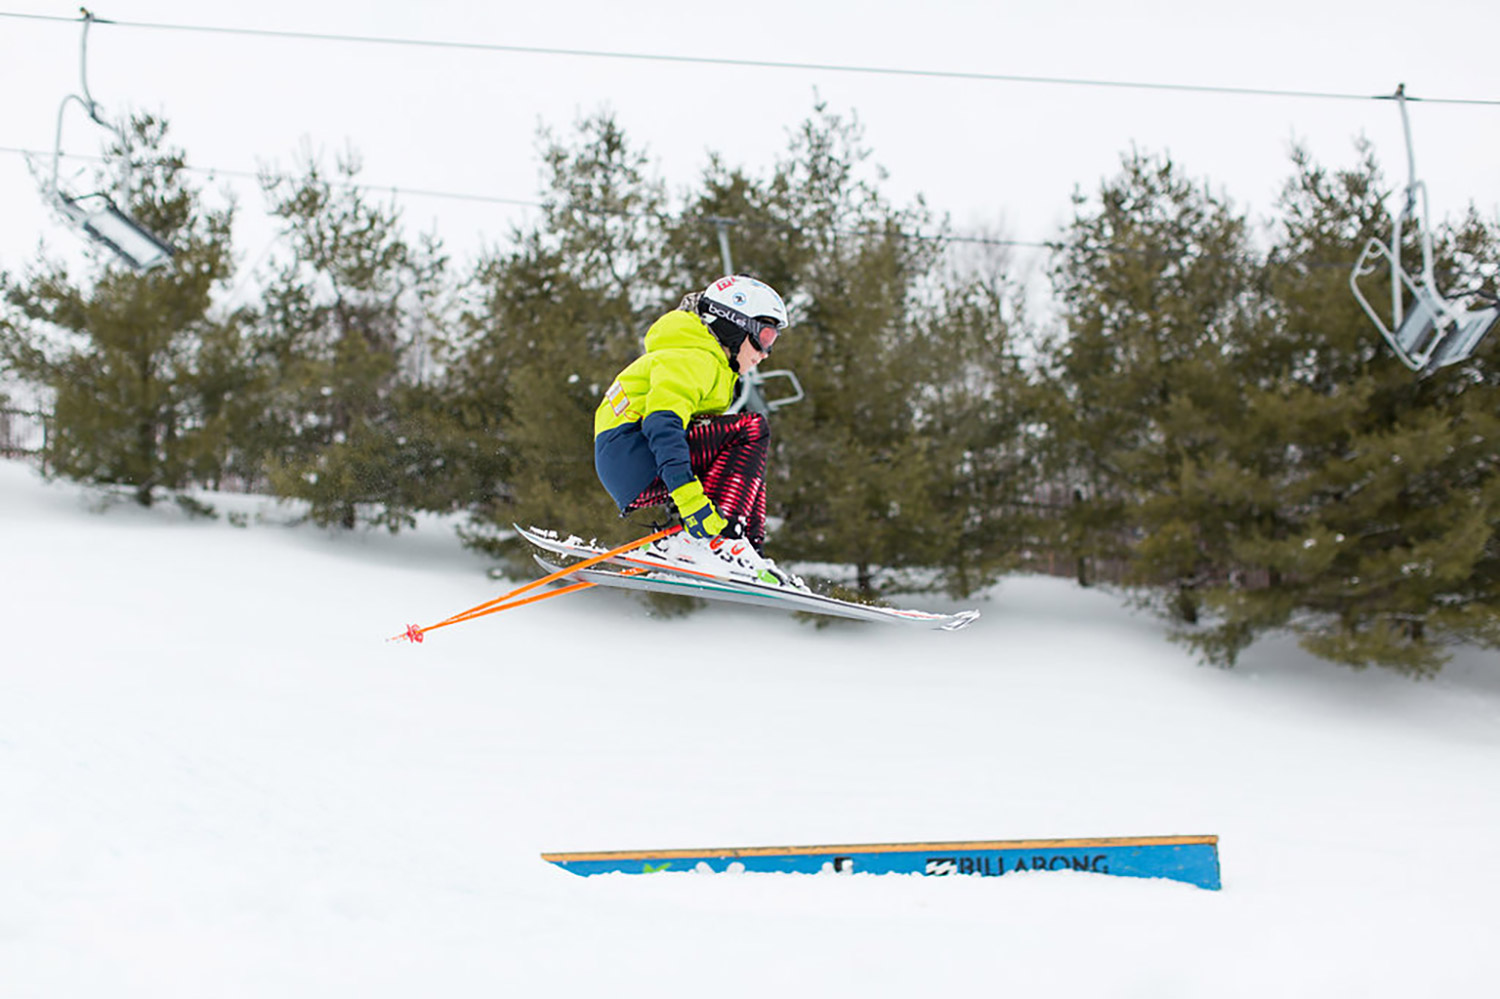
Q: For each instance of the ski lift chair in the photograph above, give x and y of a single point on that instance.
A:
(96, 215)
(102, 220)
(750, 393)
(1426, 329)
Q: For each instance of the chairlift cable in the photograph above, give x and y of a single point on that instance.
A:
(402, 190)
(762, 63)
(406, 190)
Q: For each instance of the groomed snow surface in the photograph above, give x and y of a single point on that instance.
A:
(218, 779)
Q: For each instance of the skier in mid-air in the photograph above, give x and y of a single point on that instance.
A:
(661, 435)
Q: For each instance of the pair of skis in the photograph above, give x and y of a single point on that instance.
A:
(639, 569)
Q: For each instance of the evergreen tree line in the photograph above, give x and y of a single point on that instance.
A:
(1201, 405)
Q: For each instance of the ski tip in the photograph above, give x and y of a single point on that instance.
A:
(961, 620)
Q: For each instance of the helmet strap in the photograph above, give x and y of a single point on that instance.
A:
(729, 335)
(733, 350)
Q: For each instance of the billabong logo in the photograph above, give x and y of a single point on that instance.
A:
(939, 866)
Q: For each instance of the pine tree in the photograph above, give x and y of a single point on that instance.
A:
(1156, 285)
(979, 417)
(1372, 511)
(757, 217)
(142, 372)
(353, 427)
(900, 459)
(559, 315)
(878, 467)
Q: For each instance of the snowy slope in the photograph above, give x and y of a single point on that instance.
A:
(217, 779)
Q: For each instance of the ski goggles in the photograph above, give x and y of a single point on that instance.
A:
(763, 338)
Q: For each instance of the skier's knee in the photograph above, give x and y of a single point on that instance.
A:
(755, 425)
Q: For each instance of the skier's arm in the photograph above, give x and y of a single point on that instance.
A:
(674, 395)
(671, 401)
(666, 433)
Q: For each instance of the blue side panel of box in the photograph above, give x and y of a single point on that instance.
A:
(1194, 859)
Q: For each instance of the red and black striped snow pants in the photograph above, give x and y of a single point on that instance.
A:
(728, 455)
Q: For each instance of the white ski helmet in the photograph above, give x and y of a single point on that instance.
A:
(737, 306)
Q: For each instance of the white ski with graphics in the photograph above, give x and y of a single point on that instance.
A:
(644, 571)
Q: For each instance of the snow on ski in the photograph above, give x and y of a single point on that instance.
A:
(664, 577)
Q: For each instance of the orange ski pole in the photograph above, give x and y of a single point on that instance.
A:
(570, 588)
(413, 633)
(460, 619)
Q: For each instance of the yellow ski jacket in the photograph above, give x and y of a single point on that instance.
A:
(640, 426)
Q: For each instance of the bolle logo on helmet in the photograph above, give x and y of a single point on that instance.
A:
(725, 312)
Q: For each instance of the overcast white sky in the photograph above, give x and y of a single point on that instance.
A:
(991, 154)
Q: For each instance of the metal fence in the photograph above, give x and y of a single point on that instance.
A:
(23, 433)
